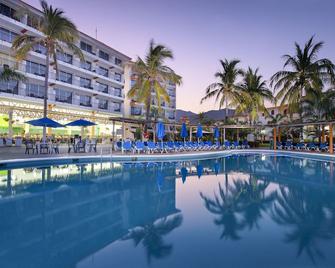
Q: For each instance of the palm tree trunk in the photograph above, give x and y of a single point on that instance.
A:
(46, 84)
(226, 117)
(147, 114)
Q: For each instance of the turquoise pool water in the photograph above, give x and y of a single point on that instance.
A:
(238, 211)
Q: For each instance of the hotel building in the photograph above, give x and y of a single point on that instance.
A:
(92, 89)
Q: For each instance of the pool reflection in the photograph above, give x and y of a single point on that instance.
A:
(58, 216)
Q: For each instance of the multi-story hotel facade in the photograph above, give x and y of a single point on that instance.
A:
(92, 89)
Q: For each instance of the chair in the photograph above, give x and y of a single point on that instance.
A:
(311, 146)
(9, 142)
(81, 147)
(236, 145)
(300, 146)
(29, 147)
(44, 148)
(139, 146)
(127, 146)
(279, 145)
(55, 148)
(323, 147)
(288, 145)
(245, 145)
(93, 145)
(227, 145)
(152, 147)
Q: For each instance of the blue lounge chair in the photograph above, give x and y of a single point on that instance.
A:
(245, 145)
(227, 145)
(152, 147)
(236, 145)
(288, 145)
(139, 147)
(300, 146)
(323, 147)
(311, 146)
(279, 145)
(127, 146)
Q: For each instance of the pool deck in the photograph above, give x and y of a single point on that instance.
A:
(14, 155)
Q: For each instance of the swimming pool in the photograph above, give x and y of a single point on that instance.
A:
(252, 210)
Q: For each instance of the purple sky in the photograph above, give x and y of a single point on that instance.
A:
(258, 32)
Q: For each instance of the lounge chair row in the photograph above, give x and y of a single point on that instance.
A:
(176, 146)
(301, 146)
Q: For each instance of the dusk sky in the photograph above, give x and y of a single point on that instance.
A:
(258, 32)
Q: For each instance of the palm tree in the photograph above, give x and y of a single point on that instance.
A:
(151, 236)
(152, 75)
(58, 32)
(9, 74)
(307, 72)
(226, 90)
(254, 87)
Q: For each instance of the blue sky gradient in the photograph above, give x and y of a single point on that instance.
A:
(258, 32)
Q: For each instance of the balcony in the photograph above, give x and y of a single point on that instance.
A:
(103, 106)
(64, 100)
(85, 104)
(135, 111)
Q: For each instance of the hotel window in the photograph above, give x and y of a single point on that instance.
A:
(103, 104)
(36, 91)
(63, 95)
(135, 111)
(35, 68)
(39, 48)
(6, 35)
(117, 106)
(64, 77)
(102, 87)
(103, 55)
(86, 65)
(7, 11)
(85, 101)
(9, 87)
(65, 57)
(118, 62)
(86, 83)
(103, 71)
(33, 21)
(117, 77)
(86, 47)
(117, 92)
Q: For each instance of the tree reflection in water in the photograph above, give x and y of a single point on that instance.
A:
(309, 212)
(151, 236)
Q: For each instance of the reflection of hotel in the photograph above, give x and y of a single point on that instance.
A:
(55, 218)
(91, 89)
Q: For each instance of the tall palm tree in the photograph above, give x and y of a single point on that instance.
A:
(255, 87)
(306, 72)
(58, 32)
(9, 74)
(152, 75)
(226, 91)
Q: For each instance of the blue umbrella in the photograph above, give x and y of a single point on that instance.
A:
(160, 130)
(199, 131)
(216, 133)
(183, 172)
(81, 123)
(44, 122)
(183, 132)
(199, 170)
(216, 167)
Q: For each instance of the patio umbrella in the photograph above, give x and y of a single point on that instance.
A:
(44, 122)
(81, 123)
(200, 170)
(216, 133)
(183, 132)
(160, 130)
(183, 172)
(199, 132)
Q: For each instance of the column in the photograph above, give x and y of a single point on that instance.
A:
(274, 138)
(323, 134)
(331, 148)
(190, 133)
(224, 135)
(279, 135)
(10, 124)
(237, 134)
